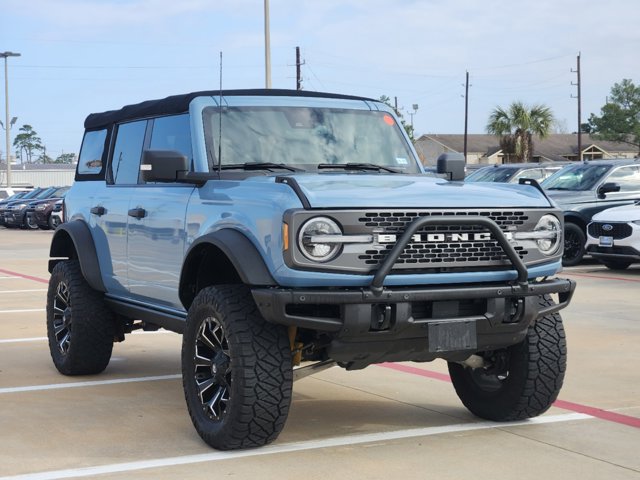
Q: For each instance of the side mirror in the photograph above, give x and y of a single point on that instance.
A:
(163, 165)
(452, 164)
(607, 187)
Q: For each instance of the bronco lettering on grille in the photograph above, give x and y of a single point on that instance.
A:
(438, 237)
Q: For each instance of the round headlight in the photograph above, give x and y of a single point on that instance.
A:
(550, 237)
(310, 239)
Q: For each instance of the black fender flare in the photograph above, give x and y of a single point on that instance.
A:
(78, 233)
(240, 251)
(577, 217)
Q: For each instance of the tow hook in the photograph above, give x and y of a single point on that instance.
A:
(474, 361)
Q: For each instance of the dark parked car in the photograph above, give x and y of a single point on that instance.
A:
(586, 188)
(16, 213)
(513, 172)
(38, 213)
(22, 196)
(41, 215)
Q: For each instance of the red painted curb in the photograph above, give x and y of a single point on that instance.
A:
(574, 407)
(22, 275)
(602, 277)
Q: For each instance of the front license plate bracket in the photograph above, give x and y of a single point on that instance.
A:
(606, 241)
(453, 335)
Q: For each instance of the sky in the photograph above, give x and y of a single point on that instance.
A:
(84, 56)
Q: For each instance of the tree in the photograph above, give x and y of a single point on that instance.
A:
(65, 158)
(408, 128)
(619, 119)
(517, 126)
(44, 158)
(28, 142)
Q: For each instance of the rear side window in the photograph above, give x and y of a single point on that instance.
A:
(92, 152)
(172, 133)
(125, 163)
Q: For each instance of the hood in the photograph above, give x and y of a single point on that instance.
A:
(625, 213)
(340, 190)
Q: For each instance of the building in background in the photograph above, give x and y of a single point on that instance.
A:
(485, 149)
(38, 174)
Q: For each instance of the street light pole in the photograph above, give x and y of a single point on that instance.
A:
(5, 55)
(267, 46)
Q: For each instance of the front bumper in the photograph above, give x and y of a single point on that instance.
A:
(419, 324)
(15, 217)
(41, 217)
(616, 252)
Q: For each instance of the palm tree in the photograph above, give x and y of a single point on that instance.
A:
(516, 127)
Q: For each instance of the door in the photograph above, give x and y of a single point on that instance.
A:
(156, 223)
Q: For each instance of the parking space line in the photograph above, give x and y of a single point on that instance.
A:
(95, 383)
(333, 442)
(28, 310)
(24, 291)
(574, 407)
(22, 275)
(40, 339)
(21, 340)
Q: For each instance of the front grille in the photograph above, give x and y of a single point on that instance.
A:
(610, 229)
(397, 221)
(438, 253)
(434, 248)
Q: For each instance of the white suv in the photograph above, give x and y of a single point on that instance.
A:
(613, 237)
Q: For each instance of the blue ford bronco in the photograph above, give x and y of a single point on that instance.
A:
(282, 232)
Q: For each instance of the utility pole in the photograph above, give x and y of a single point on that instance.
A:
(6, 55)
(298, 72)
(577, 84)
(466, 114)
(267, 46)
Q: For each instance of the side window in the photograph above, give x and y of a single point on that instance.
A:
(627, 177)
(172, 133)
(90, 161)
(533, 173)
(125, 163)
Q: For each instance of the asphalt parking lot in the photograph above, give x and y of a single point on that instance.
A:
(389, 421)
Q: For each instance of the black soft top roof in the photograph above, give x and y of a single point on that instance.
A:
(180, 103)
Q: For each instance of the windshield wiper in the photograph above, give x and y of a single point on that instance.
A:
(560, 188)
(357, 166)
(260, 166)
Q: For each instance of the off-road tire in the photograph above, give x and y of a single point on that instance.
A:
(80, 327)
(250, 387)
(617, 264)
(574, 244)
(535, 372)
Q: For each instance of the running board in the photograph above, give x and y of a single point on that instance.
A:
(301, 372)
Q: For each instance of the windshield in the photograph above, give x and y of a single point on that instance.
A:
(583, 176)
(492, 174)
(46, 193)
(304, 137)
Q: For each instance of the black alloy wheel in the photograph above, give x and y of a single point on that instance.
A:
(237, 374)
(80, 327)
(574, 245)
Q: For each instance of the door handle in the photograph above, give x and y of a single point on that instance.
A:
(98, 211)
(137, 213)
